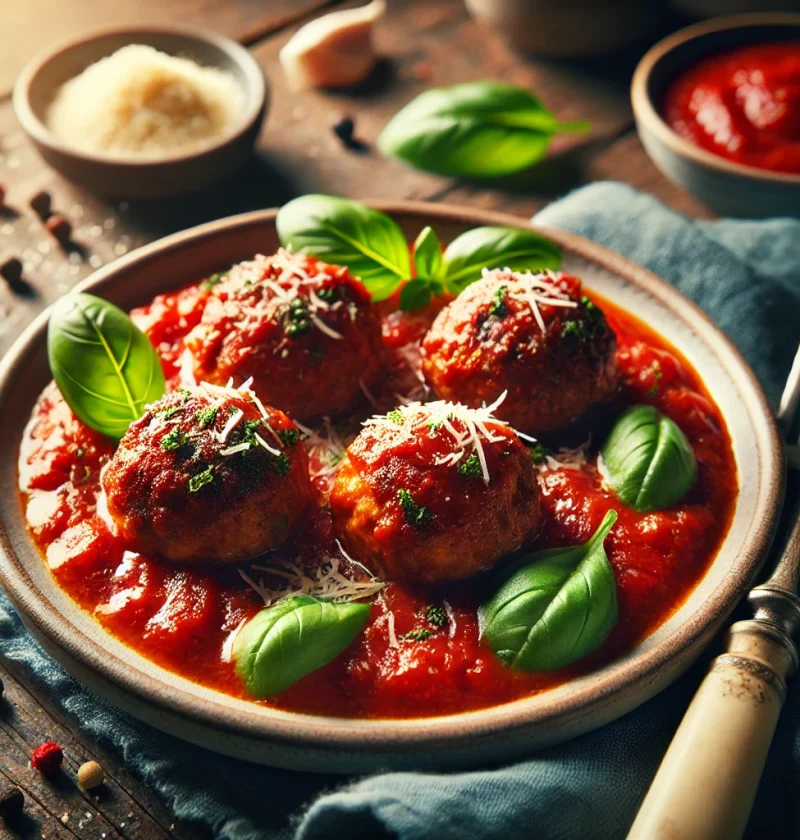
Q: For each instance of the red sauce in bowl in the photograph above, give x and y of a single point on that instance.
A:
(742, 104)
(183, 618)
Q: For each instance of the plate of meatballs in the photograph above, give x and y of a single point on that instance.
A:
(272, 511)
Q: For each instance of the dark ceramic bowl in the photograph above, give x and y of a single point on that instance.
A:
(730, 189)
(133, 177)
(312, 742)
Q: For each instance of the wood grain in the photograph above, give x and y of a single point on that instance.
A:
(35, 24)
(57, 808)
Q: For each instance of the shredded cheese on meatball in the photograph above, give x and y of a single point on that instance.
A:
(288, 285)
(534, 289)
(406, 419)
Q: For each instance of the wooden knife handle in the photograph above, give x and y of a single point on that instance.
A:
(706, 784)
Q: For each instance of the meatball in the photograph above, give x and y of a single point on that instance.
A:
(533, 336)
(303, 330)
(434, 492)
(207, 474)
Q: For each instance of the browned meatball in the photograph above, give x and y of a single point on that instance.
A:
(534, 336)
(434, 492)
(207, 474)
(304, 331)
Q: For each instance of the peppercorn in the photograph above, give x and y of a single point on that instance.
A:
(343, 127)
(59, 228)
(42, 205)
(47, 758)
(11, 801)
(90, 775)
(2, 195)
(11, 270)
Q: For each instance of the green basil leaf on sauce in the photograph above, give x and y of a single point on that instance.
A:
(473, 130)
(344, 232)
(104, 366)
(292, 638)
(496, 247)
(647, 460)
(415, 295)
(556, 608)
(427, 254)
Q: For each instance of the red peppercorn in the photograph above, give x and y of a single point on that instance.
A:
(42, 204)
(59, 228)
(47, 758)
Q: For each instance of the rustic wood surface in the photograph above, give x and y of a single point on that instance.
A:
(425, 43)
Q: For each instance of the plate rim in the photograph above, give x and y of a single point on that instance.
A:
(379, 736)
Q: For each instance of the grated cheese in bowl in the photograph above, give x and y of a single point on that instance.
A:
(143, 103)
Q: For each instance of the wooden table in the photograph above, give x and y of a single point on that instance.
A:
(426, 43)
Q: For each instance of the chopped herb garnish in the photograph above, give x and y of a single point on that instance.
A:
(79, 453)
(169, 413)
(281, 465)
(173, 439)
(573, 329)
(658, 376)
(594, 311)
(471, 467)
(208, 284)
(505, 453)
(414, 514)
(185, 394)
(250, 429)
(201, 479)
(327, 294)
(206, 416)
(538, 453)
(289, 436)
(436, 615)
(297, 318)
(498, 307)
(434, 426)
(396, 416)
(418, 634)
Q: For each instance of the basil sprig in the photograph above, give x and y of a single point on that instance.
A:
(647, 460)
(496, 247)
(473, 130)
(344, 232)
(285, 642)
(374, 248)
(104, 366)
(556, 608)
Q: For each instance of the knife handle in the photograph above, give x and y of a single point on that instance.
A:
(707, 781)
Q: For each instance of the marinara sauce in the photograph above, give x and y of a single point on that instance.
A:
(743, 104)
(184, 618)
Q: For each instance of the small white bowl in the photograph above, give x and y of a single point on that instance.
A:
(134, 177)
(730, 189)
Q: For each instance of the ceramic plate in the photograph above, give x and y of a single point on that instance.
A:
(268, 736)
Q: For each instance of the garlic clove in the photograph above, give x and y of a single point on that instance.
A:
(334, 50)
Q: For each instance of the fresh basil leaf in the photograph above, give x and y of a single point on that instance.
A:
(473, 130)
(427, 254)
(496, 247)
(414, 295)
(298, 635)
(344, 232)
(555, 609)
(104, 366)
(647, 460)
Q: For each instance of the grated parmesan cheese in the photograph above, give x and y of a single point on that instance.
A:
(466, 440)
(144, 103)
(534, 289)
(568, 459)
(284, 578)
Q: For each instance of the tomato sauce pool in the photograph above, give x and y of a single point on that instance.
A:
(185, 618)
(743, 104)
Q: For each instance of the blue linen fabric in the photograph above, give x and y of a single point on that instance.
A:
(747, 276)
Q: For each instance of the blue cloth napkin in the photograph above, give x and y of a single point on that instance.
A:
(747, 276)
